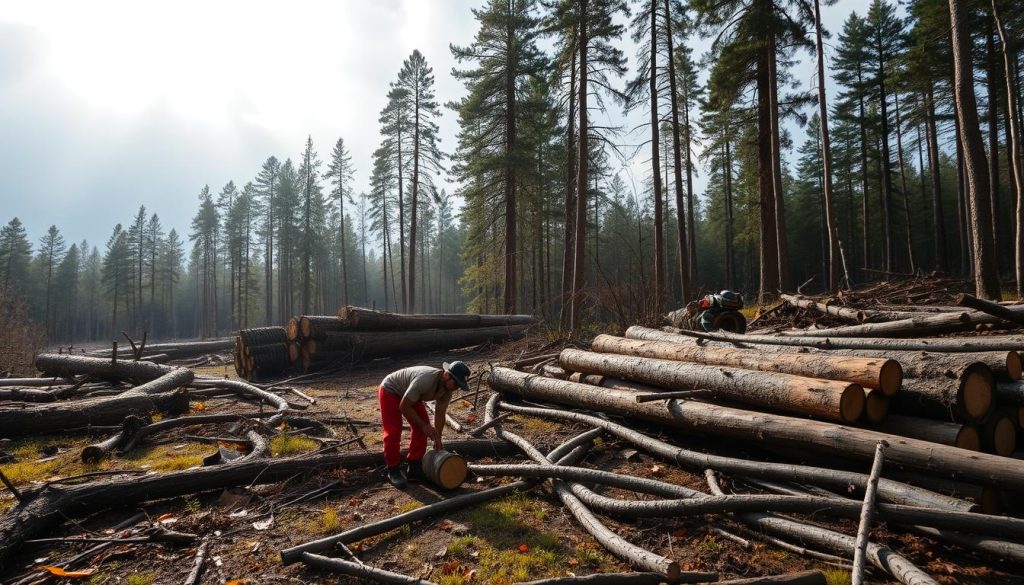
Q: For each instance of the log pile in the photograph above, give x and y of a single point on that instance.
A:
(317, 343)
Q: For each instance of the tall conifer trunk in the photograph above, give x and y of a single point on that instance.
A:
(685, 284)
(659, 233)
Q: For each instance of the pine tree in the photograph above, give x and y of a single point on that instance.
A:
(51, 252)
(505, 55)
(266, 184)
(15, 256)
(118, 274)
(340, 171)
(205, 226)
(66, 295)
(312, 215)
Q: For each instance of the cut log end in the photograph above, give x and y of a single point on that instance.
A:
(891, 377)
(292, 330)
(851, 405)
(1014, 365)
(977, 392)
(672, 572)
(990, 500)
(969, 438)
(876, 407)
(92, 454)
(1003, 439)
(293, 353)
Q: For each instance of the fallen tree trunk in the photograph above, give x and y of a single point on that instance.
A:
(959, 345)
(73, 365)
(89, 412)
(866, 514)
(933, 431)
(846, 313)
(360, 319)
(915, 326)
(996, 310)
(54, 502)
(35, 382)
(27, 395)
(839, 401)
(316, 326)
(882, 557)
(177, 349)
(714, 420)
(353, 569)
(892, 491)
(867, 372)
(967, 396)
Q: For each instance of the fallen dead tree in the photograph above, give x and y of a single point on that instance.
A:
(714, 420)
(106, 369)
(840, 401)
(176, 350)
(892, 491)
(51, 504)
(359, 319)
(934, 324)
(886, 374)
(156, 395)
(989, 343)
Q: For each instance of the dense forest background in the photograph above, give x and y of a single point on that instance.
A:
(910, 161)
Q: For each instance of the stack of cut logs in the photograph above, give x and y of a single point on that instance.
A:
(963, 392)
(261, 352)
(312, 343)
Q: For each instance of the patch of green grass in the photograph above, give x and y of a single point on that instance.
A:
(460, 546)
(99, 579)
(587, 556)
(539, 425)
(453, 579)
(192, 505)
(408, 507)
(282, 445)
(141, 579)
(166, 458)
(836, 576)
(328, 522)
(709, 545)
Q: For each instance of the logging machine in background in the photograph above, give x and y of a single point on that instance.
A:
(711, 313)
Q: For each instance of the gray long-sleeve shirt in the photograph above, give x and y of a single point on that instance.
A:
(417, 383)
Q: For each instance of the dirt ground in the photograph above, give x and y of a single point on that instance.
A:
(523, 537)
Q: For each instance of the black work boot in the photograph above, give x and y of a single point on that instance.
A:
(396, 477)
(414, 471)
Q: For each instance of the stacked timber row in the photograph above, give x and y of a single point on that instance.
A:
(311, 343)
(261, 352)
(968, 399)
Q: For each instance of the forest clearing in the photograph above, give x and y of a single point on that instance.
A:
(682, 456)
(581, 292)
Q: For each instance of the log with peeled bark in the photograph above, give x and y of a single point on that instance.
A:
(957, 345)
(944, 433)
(347, 347)
(995, 309)
(713, 420)
(988, 498)
(839, 401)
(103, 368)
(359, 319)
(54, 503)
(1005, 365)
(966, 396)
(867, 372)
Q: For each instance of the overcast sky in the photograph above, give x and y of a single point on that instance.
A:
(107, 105)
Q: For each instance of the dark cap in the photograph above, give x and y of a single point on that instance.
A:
(459, 371)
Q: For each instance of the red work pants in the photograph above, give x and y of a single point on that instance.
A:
(391, 419)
